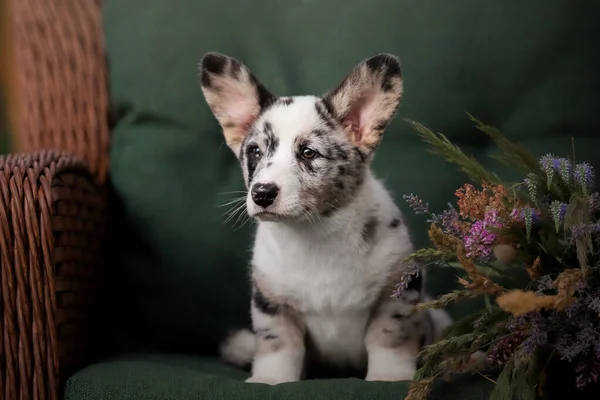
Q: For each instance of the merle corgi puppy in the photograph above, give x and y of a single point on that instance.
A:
(330, 240)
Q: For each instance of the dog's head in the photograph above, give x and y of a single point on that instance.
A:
(302, 155)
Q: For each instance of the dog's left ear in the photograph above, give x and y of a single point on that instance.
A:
(367, 100)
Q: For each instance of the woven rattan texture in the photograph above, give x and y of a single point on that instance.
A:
(52, 218)
(61, 92)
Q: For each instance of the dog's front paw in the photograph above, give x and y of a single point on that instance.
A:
(397, 377)
(266, 380)
(402, 371)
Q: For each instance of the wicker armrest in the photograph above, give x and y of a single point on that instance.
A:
(52, 221)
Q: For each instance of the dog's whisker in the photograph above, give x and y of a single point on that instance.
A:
(233, 201)
(244, 218)
(232, 213)
(235, 204)
(316, 212)
(312, 213)
(232, 192)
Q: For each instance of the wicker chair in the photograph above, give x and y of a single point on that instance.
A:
(52, 196)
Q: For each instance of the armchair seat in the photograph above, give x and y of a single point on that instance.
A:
(186, 377)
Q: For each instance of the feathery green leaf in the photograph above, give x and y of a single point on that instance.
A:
(442, 146)
(513, 155)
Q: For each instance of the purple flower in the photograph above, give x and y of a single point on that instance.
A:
(537, 337)
(582, 230)
(553, 165)
(528, 217)
(584, 176)
(580, 286)
(416, 204)
(587, 372)
(412, 272)
(564, 169)
(503, 351)
(532, 186)
(544, 283)
(595, 202)
(535, 325)
(479, 240)
(449, 220)
(558, 211)
(517, 215)
(595, 306)
(549, 164)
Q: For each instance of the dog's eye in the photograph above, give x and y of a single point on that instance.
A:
(254, 151)
(308, 153)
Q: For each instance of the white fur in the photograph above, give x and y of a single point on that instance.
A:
(239, 348)
(288, 122)
(325, 266)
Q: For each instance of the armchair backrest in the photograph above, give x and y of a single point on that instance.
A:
(59, 99)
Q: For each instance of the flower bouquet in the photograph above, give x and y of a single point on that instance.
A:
(530, 250)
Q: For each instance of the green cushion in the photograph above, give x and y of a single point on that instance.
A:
(176, 377)
(177, 275)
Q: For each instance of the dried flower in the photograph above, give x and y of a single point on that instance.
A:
(565, 283)
(446, 299)
(535, 269)
(502, 351)
(528, 217)
(412, 272)
(538, 333)
(595, 305)
(498, 200)
(584, 230)
(594, 202)
(450, 221)
(505, 253)
(418, 206)
(420, 390)
(471, 202)
(532, 183)
(479, 240)
(584, 176)
(544, 283)
(479, 282)
(441, 240)
(519, 302)
(564, 170)
(558, 211)
(558, 307)
(587, 372)
(517, 215)
(549, 164)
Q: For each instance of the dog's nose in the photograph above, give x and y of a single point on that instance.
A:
(264, 194)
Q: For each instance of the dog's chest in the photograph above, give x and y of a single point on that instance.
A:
(314, 276)
(332, 288)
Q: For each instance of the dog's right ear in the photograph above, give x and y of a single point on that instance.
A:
(234, 96)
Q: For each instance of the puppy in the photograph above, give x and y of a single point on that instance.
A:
(330, 240)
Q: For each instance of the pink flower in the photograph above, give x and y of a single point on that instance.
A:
(479, 240)
(517, 215)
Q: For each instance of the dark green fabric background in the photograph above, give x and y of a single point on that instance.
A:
(177, 276)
